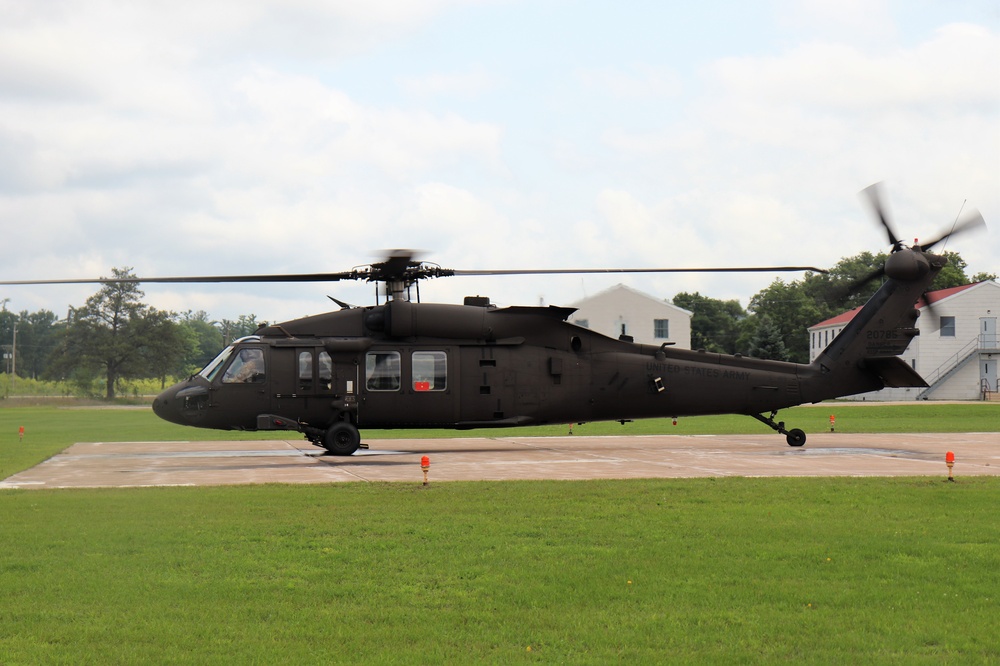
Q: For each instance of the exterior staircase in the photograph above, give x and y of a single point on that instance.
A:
(959, 360)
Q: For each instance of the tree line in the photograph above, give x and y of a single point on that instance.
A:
(115, 337)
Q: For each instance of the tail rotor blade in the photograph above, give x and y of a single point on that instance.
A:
(858, 285)
(973, 221)
(874, 194)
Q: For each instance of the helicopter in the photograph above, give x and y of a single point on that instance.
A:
(402, 363)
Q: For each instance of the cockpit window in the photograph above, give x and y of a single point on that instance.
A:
(210, 371)
(247, 367)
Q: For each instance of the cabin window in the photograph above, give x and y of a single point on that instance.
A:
(325, 367)
(305, 369)
(430, 371)
(247, 368)
(382, 371)
(582, 323)
(305, 366)
(947, 327)
(661, 328)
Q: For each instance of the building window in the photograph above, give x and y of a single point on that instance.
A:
(947, 327)
(661, 328)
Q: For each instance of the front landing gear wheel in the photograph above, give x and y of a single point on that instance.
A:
(342, 439)
(795, 437)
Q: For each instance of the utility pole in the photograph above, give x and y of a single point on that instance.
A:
(13, 360)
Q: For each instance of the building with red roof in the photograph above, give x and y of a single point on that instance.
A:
(956, 352)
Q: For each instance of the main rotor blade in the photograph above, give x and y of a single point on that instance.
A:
(575, 271)
(366, 273)
(290, 277)
(973, 221)
(874, 193)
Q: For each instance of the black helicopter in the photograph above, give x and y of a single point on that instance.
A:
(406, 364)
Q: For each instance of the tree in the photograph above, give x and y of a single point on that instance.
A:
(119, 336)
(7, 322)
(204, 340)
(953, 274)
(37, 337)
(234, 330)
(715, 324)
(791, 310)
(767, 341)
(843, 287)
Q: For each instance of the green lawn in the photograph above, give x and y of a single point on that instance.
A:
(866, 570)
(734, 570)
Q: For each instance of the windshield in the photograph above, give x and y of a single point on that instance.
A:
(212, 369)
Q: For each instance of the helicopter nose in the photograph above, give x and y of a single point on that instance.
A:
(179, 403)
(163, 405)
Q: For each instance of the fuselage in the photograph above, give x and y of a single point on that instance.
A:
(432, 365)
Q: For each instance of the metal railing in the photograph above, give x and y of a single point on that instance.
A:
(987, 390)
(953, 360)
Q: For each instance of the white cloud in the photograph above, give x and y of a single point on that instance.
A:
(947, 70)
(470, 82)
(639, 80)
(866, 21)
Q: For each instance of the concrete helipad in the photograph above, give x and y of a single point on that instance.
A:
(122, 464)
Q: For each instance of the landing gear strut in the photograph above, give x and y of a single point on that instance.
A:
(794, 437)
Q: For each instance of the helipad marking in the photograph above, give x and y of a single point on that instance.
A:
(850, 451)
(360, 453)
(6, 484)
(183, 454)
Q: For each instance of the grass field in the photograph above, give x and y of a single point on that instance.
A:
(681, 571)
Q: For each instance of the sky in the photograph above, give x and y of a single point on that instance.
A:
(274, 136)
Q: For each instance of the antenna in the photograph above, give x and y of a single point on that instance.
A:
(954, 224)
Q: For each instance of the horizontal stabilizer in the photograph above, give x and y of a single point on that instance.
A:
(894, 371)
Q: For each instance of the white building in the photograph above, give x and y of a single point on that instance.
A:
(622, 310)
(956, 351)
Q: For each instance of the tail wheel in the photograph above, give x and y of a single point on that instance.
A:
(342, 439)
(795, 437)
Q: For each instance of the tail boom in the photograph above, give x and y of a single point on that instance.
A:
(865, 355)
